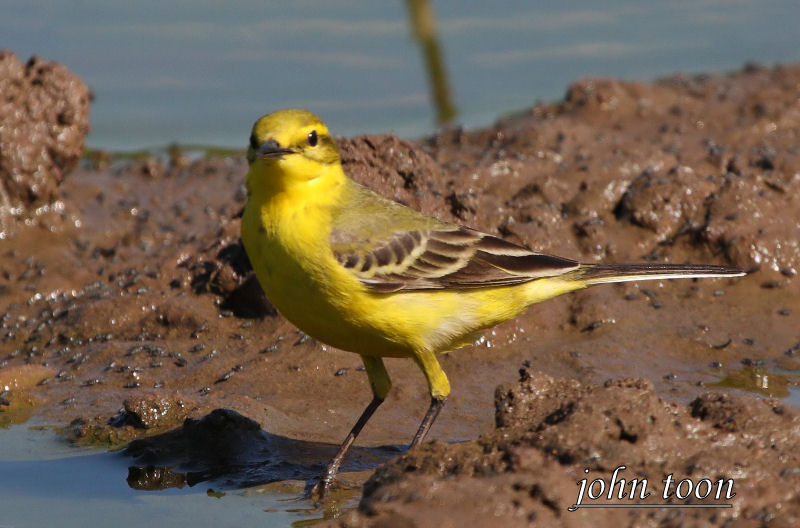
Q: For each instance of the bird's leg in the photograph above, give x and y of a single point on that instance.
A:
(320, 489)
(427, 421)
(381, 384)
(439, 388)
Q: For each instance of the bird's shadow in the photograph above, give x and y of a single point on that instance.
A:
(234, 452)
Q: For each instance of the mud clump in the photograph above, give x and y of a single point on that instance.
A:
(152, 411)
(527, 470)
(141, 415)
(233, 450)
(45, 115)
(399, 170)
(218, 436)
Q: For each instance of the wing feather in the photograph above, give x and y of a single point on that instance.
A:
(444, 258)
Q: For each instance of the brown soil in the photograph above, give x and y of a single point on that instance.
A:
(526, 470)
(44, 113)
(133, 307)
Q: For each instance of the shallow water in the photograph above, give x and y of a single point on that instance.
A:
(202, 72)
(46, 482)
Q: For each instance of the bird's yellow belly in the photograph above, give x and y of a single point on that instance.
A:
(385, 325)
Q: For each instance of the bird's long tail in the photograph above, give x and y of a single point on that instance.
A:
(589, 274)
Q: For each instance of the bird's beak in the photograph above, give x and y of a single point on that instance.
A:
(272, 149)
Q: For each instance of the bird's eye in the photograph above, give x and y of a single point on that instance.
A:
(253, 142)
(312, 138)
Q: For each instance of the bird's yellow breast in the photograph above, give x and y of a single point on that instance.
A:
(286, 238)
(287, 242)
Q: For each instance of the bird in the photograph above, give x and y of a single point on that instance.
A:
(368, 275)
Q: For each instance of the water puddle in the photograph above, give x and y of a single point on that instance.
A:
(45, 481)
(769, 383)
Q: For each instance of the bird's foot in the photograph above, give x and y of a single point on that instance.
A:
(319, 491)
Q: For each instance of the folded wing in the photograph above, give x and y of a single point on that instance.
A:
(445, 258)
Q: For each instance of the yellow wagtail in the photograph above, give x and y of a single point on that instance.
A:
(368, 275)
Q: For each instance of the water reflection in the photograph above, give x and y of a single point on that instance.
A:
(44, 481)
(423, 25)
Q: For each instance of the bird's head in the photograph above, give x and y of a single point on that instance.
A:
(296, 142)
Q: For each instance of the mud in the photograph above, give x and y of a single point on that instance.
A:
(44, 112)
(234, 452)
(527, 468)
(133, 308)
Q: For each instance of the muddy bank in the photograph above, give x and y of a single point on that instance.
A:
(525, 472)
(134, 308)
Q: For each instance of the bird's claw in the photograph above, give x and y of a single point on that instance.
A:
(319, 492)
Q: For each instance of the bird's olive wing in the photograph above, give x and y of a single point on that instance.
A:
(439, 259)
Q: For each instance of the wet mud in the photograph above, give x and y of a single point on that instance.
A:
(525, 472)
(44, 111)
(130, 313)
